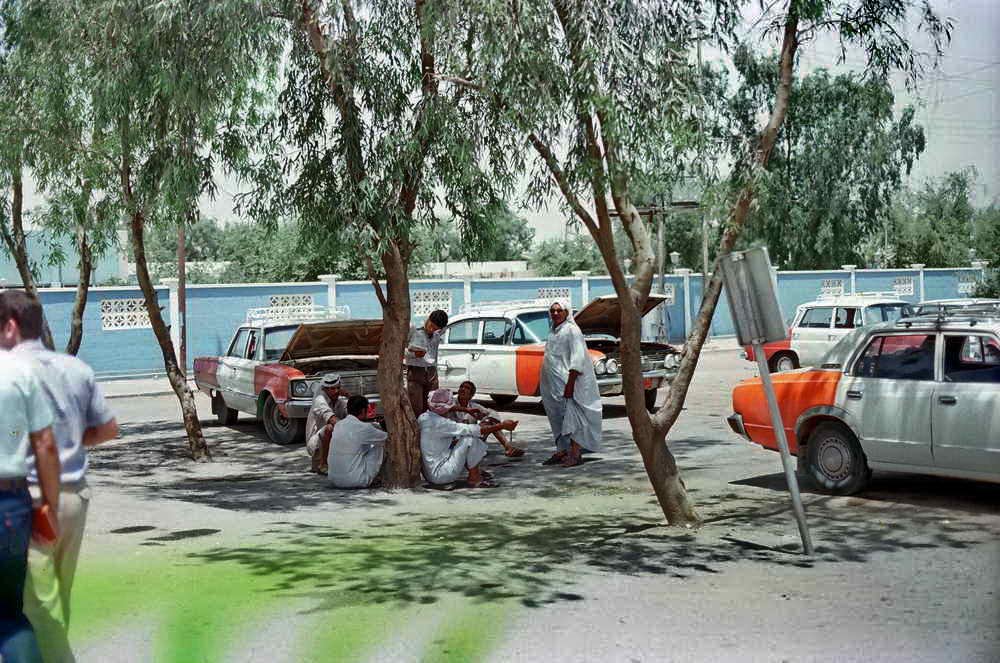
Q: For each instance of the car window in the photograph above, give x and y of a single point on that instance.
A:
(239, 343)
(887, 312)
(898, 357)
(972, 359)
(817, 318)
(466, 331)
(495, 331)
(276, 340)
(252, 345)
(847, 318)
(536, 326)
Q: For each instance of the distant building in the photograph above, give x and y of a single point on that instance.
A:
(459, 269)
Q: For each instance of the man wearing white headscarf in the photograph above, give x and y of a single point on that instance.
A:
(449, 450)
(328, 407)
(569, 390)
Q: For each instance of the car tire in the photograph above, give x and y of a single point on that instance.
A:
(650, 397)
(783, 361)
(280, 429)
(835, 460)
(225, 415)
(503, 400)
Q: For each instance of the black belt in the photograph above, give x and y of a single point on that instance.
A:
(17, 483)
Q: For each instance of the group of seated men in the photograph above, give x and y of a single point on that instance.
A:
(350, 449)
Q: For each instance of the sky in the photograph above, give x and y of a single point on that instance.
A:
(958, 104)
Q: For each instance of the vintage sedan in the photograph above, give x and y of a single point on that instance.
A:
(276, 359)
(500, 346)
(917, 395)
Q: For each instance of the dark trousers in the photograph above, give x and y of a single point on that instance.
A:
(420, 382)
(17, 640)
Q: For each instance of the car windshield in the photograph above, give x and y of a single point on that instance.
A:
(838, 355)
(887, 312)
(276, 340)
(536, 324)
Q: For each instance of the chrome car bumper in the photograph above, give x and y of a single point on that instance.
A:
(612, 386)
(298, 408)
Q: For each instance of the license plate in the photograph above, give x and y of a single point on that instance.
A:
(647, 383)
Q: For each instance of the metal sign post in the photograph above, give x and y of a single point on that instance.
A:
(757, 316)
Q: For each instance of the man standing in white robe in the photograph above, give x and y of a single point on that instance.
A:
(569, 390)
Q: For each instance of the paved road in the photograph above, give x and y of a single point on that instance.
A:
(249, 557)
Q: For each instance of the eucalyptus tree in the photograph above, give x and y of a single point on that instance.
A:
(370, 148)
(606, 94)
(166, 83)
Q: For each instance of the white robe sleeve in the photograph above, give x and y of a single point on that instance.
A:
(579, 358)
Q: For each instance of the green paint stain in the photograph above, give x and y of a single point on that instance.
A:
(468, 633)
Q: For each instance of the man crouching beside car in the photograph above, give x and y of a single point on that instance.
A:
(328, 407)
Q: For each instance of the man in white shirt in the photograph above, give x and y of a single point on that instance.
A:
(82, 419)
(328, 407)
(421, 360)
(357, 448)
(450, 451)
(466, 411)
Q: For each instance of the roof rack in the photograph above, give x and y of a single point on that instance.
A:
(935, 320)
(505, 305)
(867, 295)
(305, 313)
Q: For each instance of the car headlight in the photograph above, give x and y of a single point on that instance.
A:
(671, 362)
(612, 366)
(600, 367)
(300, 388)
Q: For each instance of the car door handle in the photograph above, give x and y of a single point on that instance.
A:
(854, 395)
(947, 400)
(475, 355)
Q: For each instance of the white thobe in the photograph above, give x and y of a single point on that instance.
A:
(448, 449)
(429, 343)
(466, 418)
(319, 413)
(577, 419)
(356, 452)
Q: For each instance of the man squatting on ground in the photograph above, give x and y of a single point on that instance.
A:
(328, 407)
(25, 421)
(82, 419)
(569, 390)
(357, 448)
(465, 411)
(421, 360)
(449, 450)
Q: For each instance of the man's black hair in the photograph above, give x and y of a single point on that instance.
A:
(471, 384)
(439, 318)
(26, 310)
(357, 405)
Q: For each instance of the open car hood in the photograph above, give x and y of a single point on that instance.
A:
(604, 315)
(339, 337)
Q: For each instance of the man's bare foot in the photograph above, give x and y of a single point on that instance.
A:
(512, 451)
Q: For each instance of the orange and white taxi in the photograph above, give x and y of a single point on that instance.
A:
(500, 346)
(917, 395)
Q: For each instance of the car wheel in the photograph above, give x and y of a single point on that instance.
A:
(650, 396)
(280, 428)
(783, 362)
(503, 400)
(836, 461)
(225, 415)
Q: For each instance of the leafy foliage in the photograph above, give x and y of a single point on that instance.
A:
(562, 256)
(936, 224)
(839, 159)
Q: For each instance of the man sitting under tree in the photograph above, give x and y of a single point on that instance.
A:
(465, 411)
(421, 360)
(449, 450)
(328, 407)
(357, 448)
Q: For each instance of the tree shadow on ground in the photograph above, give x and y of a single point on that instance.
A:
(537, 560)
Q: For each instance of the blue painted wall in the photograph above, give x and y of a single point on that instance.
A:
(215, 311)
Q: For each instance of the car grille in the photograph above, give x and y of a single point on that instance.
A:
(360, 385)
(653, 360)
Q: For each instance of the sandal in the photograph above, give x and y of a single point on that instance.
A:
(556, 458)
(485, 483)
(572, 460)
(513, 452)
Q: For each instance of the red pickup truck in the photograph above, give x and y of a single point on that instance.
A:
(274, 363)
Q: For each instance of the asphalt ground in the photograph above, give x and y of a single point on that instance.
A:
(250, 557)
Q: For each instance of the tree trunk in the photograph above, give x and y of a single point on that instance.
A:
(86, 266)
(196, 440)
(16, 242)
(403, 447)
(665, 477)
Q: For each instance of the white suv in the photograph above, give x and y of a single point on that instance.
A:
(819, 325)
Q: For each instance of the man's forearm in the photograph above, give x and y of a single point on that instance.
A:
(47, 465)
(98, 434)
